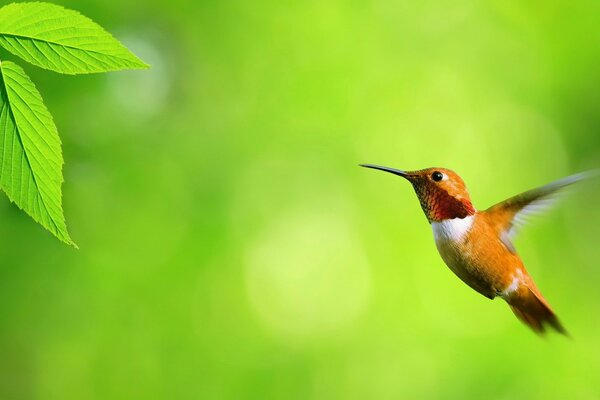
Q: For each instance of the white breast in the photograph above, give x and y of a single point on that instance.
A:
(452, 230)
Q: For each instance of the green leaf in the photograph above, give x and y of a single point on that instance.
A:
(61, 40)
(30, 154)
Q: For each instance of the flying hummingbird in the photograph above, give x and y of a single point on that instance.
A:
(477, 245)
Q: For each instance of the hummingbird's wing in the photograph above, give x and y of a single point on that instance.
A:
(513, 213)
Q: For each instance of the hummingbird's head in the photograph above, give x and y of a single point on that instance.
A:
(441, 192)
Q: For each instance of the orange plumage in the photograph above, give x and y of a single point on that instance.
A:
(476, 245)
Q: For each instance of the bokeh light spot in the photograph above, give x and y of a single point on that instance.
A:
(142, 93)
(307, 275)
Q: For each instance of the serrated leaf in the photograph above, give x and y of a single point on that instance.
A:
(30, 153)
(61, 40)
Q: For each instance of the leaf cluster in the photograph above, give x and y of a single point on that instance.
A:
(63, 41)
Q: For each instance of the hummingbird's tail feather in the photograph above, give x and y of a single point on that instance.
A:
(533, 310)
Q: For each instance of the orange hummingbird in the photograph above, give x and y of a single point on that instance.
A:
(477, 246)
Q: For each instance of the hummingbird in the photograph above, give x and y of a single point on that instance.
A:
(477, 245)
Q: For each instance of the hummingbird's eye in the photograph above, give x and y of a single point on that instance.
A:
(437, 176)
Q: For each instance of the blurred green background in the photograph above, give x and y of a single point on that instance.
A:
(230, 247)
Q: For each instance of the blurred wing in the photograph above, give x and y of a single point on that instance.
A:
(515, 212)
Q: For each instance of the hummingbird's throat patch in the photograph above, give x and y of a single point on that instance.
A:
(439, 206)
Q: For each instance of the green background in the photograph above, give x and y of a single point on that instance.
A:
(230, 247)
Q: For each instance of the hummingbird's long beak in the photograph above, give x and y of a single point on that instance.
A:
(394, 171)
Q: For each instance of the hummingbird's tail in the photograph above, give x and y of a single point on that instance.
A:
(533, 310)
